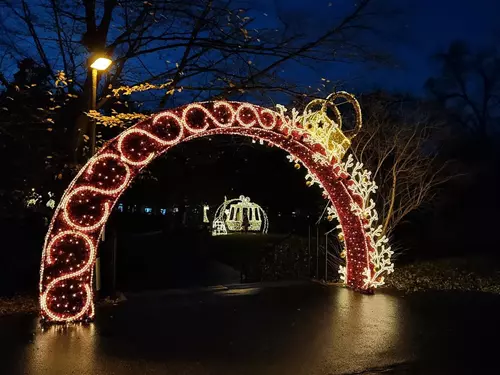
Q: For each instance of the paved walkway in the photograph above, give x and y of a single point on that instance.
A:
(293, 330)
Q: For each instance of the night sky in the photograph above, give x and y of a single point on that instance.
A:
(432, 25)
(422, 30)
(425, 28)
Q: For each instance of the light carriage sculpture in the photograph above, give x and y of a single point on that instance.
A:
(230, 217)
(313, 139)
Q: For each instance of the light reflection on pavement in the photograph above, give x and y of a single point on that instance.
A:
(296, 330)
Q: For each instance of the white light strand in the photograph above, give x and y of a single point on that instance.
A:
(380, 256)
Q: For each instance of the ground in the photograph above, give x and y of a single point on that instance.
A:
(264, 329)
(467, 273)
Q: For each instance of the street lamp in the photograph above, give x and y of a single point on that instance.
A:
(98, 64)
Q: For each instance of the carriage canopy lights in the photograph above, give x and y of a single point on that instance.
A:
(239, 215)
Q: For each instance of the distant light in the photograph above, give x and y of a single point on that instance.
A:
(205, 213)
(148, 210)
(239, 215)
(102, 63)
(163, 211)
(239, 292)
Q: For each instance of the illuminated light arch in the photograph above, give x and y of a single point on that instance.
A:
(312, 139)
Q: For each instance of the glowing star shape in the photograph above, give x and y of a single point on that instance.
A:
(317, 144)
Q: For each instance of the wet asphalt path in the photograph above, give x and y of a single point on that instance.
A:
(293, 330)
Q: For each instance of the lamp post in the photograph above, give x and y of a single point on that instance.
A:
(97, 64)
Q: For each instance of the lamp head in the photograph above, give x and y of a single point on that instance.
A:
(101, 63)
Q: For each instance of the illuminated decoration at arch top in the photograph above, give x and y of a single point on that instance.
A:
(229, 217)
(313, 139)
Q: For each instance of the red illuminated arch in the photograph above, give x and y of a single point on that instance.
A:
(70, 246)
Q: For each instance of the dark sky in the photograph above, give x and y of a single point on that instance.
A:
(427, 27)
(432, 25)
(424, 28)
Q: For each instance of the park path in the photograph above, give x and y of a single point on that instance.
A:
(300, 329)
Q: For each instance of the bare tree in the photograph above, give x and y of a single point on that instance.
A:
(399, 144)
(469, 85)
(202, 48)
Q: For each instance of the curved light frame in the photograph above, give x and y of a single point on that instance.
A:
(66, 289)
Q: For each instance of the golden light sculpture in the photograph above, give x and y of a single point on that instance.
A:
(322, 120)
(230, 215)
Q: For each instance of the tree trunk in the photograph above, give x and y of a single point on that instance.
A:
(392, 201)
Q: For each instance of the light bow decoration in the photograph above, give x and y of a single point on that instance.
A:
(229, 217)
(312, 139)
